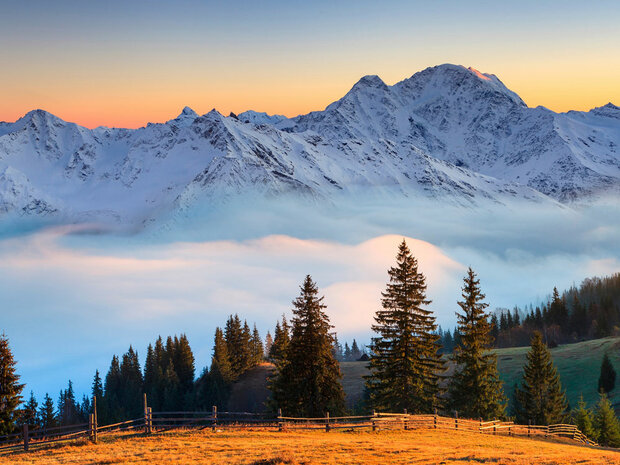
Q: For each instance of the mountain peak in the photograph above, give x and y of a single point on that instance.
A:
(187, 111)
(370, 81)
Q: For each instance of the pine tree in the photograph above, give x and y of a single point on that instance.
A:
(356, 353)
(584, 420)
(281, 341)
(112, 412)
(10, 388)
(47, 413)
(338, 353)
(606, 423)
(238, 340)
(68, 409)
(307, 382)
(97, 388)
(268, 344)
(475, 389)
(31, 412)
(540, 396)
(184, 364)
(347, 352)
(214, 384)
(607, 379)
(258, 351)
(131, 391)
(172, 400)
(405, 364)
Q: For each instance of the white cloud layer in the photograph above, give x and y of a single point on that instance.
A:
(71, 300)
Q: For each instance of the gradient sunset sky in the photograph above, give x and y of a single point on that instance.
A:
(125, 63)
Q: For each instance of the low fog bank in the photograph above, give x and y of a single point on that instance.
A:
(75, 295)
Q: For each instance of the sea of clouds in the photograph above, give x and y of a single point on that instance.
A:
(74, 295)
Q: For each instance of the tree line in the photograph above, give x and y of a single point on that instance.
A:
(407, 369)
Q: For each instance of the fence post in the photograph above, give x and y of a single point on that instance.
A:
(374, 423)
(95, 419)
(547, 431)
(456, 419)
(146, 415)
(435, 418)
(480, 428)
(529, 427)
(150, 420)
(327, 422)
(280, 422)
(494, 426)
(26, 438)
(406, 425)
(214, 416)
(90, 426)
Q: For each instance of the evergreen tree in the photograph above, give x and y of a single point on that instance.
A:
(307, 381)
(97, 389)
(68, 409)
(238, 340)
(131, 392)
(31, 412)
(172, 399)
(607, 379)
(184, 364)
(540, 396)
(405, 364)
(475, 389)
(268, 344)
(606, 423)
(584, 420)
(338, 353)
(258, 351)
(112, 412)
(281, 341)
(356, 353)
(47, 413)
(10, 388)
(214, 384)
(347, 352)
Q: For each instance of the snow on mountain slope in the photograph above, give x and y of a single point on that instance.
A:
(448, 133)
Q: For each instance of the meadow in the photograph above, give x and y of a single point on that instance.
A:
(260, 447)
(579, 366)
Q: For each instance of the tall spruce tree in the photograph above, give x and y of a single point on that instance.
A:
(475, 388)
(10, 388)
(131, 391)
(307, 381)
(281, 341)
(584, 420)
(607, 379)
(606, 423)
(258, 351)
(184, 364)
(540, 395)
(405, 364)
(30, 414)
(214, 384)
(47, 413)
(112, 411)
(268, 344)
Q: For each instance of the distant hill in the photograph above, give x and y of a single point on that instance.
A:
(579, 366)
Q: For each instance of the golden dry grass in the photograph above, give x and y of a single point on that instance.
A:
(315, 447)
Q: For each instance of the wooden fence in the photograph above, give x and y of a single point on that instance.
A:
(156, 422)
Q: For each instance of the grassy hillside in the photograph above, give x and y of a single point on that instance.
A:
(230, 447)
(578, 364)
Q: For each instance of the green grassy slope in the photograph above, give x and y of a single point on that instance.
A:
(578, 364)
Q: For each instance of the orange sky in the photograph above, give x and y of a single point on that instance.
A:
(88, 63)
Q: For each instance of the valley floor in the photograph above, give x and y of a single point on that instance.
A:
(315, 447)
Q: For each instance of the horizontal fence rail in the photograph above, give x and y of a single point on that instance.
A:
(158, 422)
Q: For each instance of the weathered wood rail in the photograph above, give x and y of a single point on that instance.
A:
(157, 422)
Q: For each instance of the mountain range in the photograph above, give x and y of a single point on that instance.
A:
(448, 133)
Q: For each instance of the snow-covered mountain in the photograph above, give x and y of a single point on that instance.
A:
(449, 133)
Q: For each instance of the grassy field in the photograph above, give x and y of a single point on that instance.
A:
(578, 364)
(315, 447)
